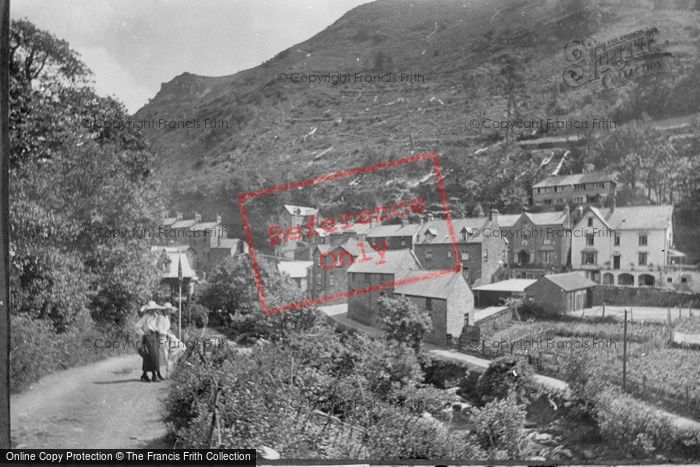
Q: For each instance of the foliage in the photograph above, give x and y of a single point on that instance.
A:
(403, 321)
(499, 427)
(503, 375)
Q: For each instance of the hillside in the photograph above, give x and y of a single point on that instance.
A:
(475, 57)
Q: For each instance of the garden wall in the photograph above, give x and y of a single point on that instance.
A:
(642, 296)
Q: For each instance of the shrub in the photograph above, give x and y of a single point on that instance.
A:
(530, 310)
(499, 427)
(403, 321)
(505, 374)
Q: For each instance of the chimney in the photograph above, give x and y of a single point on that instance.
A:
(178, 215)
(613, 203)
(197, 217)
(404, 221)
(218, 218)
(493, 216)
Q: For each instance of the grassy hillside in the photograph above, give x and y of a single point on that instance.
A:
(475, 57)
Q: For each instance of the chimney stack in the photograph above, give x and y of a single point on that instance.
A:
(197, 217)
(178, 215)
(218, 218)
(493, 216)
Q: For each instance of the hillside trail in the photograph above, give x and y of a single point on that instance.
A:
(100, 405)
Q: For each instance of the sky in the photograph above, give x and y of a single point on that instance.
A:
(132, 46)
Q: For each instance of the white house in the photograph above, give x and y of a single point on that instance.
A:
(629, 245)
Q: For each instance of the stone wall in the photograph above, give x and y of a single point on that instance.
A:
(642, 296)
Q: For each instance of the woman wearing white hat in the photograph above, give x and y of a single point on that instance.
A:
(148, 327)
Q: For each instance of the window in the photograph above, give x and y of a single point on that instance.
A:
(428, 254)
(403, 242)
(449, 252)
(588, 258)
(684, 280)
(332, 280)
(486, 255)
(617, 239)
(547, 202)
(590, 222)
(669, 280)
(464, 235)
(465, 255)
(547, 240)
(642, 239)
(368, 277)
(546, 257)
(589, 239)
(429, 304)
(643, 259)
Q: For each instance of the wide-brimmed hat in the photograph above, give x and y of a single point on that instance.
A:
(167, 306)
(151, 305)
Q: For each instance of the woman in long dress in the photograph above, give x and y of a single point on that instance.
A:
(164, 336)
(148, 327)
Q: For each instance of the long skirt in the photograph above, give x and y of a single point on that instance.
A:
(151, 360)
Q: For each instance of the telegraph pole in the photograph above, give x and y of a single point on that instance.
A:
(4, 224)
(624, 354)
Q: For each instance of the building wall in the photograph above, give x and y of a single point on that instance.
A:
(559, 195)
(438, 318)
(658, 243)
(363, 307)
(548, 296)
(393, 243)
(325, 282)
(459, 304)
(535, 240)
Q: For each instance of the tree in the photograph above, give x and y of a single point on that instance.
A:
(499, 427)
(74, 179)
(503, 375)
(403, 321)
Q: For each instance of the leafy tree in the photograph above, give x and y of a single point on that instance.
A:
(499, 427)
(503, 375)
(403, 321)
(73, 177)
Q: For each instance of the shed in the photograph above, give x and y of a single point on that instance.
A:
(561, 293)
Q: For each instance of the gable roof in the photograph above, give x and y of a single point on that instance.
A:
(574, 179)
(204, 225)
(436, 287)
(303, 210)
(294, 269)
(394, 230)
(568, 281)
(509, 285)
(546, 218)
(353, 247)
(174, 256)
(394, 261)
(508, 220)
(641, 217)
(183, 224)
(441, 229)
(228, 243)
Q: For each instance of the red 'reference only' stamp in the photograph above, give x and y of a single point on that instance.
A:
(315, 226)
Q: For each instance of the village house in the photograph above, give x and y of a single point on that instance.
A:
(627, 245)
(296, 216)
(538, 243)
(173, 262)
(561, 293)
(574, 189)
(208, 241)
(393, 236)
(297, 271)
(480, 247)
(333, 278)
(395, 265)
(446, 298)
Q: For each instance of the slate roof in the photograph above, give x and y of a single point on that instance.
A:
(440, 228)
(508, 220)
(394, 261)
(393, 230)
(546, 218)
(569, 281)
(510, 285)
(640, 217)
(436, 287)
(204, 226)
(174, 255)
(303, 210)
(183, 224)
(294, 269)
(575, 179)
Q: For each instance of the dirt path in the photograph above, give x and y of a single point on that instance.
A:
(102, 405)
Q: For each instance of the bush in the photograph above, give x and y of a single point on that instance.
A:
(499, 427)
(197, 315)
(403, 321)
(505, 374)
(529, 310)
